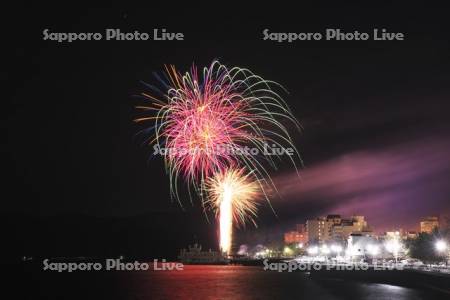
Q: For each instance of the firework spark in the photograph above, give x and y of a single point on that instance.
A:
(207, 123)
(215, 128)
(232, 194)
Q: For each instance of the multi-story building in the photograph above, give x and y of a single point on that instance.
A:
(301, 228)
(295, 236)
(393, 235)
(318, 230)
(399, 234)
(355, 224)
(361, 244)
(333, 227)
(343, 230)
(334, 219)
(359, 223)
(410, 235)
(428, 224)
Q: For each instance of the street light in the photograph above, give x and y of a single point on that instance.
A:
(373, 249)
(394, 247)
(287, 251)
(313, 250)
(336, 248)
(325, 250)
(441, 246)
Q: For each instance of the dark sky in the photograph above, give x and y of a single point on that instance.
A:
(378, 109)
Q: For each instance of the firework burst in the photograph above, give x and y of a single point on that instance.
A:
(232, 194)
(207, 122)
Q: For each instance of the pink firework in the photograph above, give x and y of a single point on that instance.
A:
(219, 120)
(201, 125)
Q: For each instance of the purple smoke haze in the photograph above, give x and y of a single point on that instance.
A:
(393, 186)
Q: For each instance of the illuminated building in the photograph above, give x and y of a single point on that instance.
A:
(428, 224)
(299, 236)
(318, 230)
(333, 227)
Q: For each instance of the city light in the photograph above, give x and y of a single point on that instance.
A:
(287, 251)
(325, 249)
(391, 247)
(373, 249)
(441, 246)
(336, 248)
(394, 246)
(313, 250)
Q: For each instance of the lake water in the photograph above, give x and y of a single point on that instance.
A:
(210, 282)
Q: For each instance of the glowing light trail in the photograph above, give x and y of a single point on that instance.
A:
(206, 123)
(232, 194)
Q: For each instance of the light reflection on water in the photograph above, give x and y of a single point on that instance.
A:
(239, 282)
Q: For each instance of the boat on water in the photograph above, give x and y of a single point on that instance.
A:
(194, 255)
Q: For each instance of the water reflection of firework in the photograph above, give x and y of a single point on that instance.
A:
(232, 195)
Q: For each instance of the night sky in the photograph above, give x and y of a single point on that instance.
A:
(375, 114)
